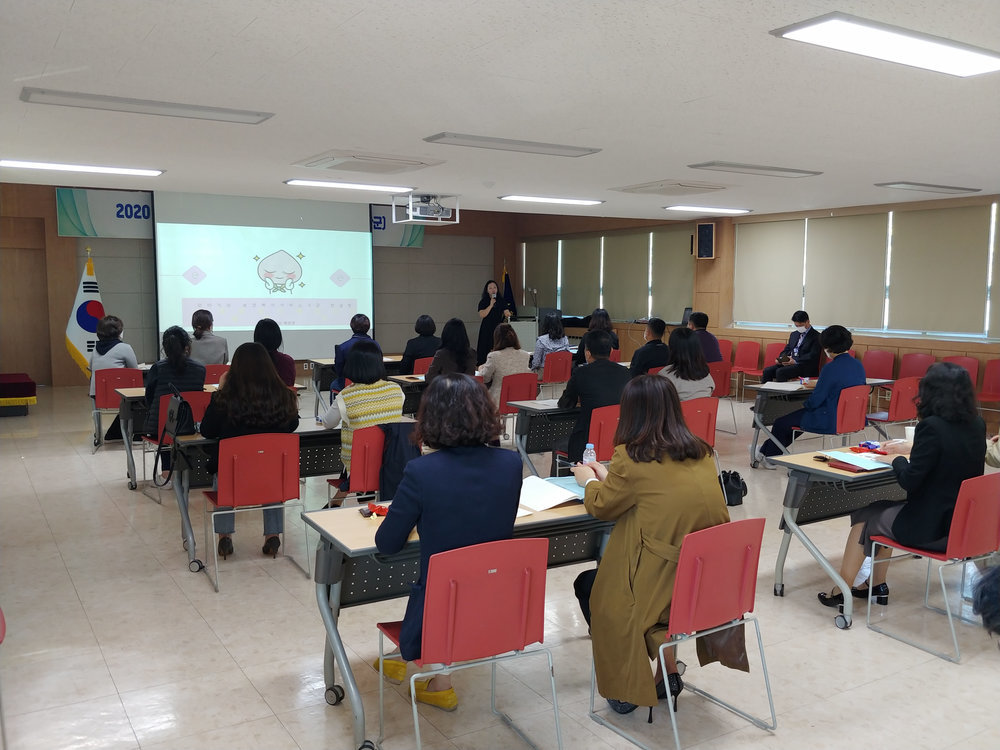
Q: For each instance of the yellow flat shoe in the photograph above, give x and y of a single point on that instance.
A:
(446, 700)
(394, 670)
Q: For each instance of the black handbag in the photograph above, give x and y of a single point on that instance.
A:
(733, 487)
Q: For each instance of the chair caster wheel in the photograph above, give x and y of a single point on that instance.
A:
(842, 622)
(754, 464)
(366, 745)
(196, 566)
(334, 695)
(779, 589)
(132, 485)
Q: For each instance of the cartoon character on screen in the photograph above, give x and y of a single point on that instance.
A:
(279, 272)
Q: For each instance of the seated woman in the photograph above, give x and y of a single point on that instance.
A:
(369, 400)
(457, 419)
(660, 485)
(949, 446)
(600, 320)
(268, 333)
(553, 339)
(423, 345)
(206, 347)
(251, 400)
(110, 352)
(455, 354)
(686, 367)
(507, 358)
(819, 412)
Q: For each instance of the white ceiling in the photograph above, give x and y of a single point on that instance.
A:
(655, 84)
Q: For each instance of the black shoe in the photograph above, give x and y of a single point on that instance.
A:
(880, 593)
(676, 685)
(225, 547)
(271, 545)
(621, 707)
(830, 600)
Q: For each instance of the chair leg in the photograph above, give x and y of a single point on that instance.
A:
(98, 432)
(607, 724)
(413, 705)
(381, 689)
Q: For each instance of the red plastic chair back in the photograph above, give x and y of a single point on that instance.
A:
(654, 370)
(747, 356)
(213, 373)
(771, 352)
(851, 409)
(258, 469)
(107, 380)
(716, 576)
(970, 364)
(367, 446)
(991, 381)
(520, 387)
(616, 355)
(902, 406)
(484, 600)
(199, 403)
(700, 415)
(915, 365)
(878, 363)
(722, 375)
(557, 367)
(422, 365)
(726, 348)
(603, 424)
(975, 524)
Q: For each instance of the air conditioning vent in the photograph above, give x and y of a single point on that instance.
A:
(671, 188)
(354, 161)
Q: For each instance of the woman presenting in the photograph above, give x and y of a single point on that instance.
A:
(493, 312)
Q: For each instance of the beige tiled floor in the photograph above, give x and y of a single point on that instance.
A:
(112, 643)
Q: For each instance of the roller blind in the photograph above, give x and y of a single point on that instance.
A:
(939, 269)
(581, 275)
(767, 284)
(626, 275)
(673, 271)
(541, 258)
(845, 270)
(994, 331)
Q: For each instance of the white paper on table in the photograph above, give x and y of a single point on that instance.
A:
(791, 385)
(538, 494)
(549, 403)
(864, 461)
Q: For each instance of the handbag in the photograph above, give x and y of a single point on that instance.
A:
(179, 421)
(733, 487)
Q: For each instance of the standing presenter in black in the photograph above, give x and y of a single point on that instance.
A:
(493, 311)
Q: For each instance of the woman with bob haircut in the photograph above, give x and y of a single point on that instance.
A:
(660, 486)
(455, 354)
(507, 358)
(369, 400)
(424, 344)
(457, 418)
(686, 367)
(553, 339)
(268, 333)
(251, 400)
(949, 446)
(600, 320)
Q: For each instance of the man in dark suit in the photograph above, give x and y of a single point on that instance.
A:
(360, 325)
(800, 357)
(654, 352)
(698, 322)
(600, 382)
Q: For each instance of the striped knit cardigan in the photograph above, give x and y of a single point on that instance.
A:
(366, 405)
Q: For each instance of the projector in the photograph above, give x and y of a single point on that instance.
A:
(430, 210)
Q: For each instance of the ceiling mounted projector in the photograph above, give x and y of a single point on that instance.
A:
(424, 208)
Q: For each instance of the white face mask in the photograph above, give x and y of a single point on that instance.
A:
(801, 329)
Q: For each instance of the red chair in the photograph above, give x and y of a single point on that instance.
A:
(852, 408)
(771, 352)
(654, 370)
(970, 364)
(878, 363)
(255, 472)
(915, 365)
(902, 406)
(199, 403)
(747, 356)
(482, 605)
(422, 365)
(714, 589)
(721, 373)
(603, 425)
(990, 392)
(974, 535)
(520, 387)
(213, 373)
(106, 401)
(557, 368)
(700, 415)
(616, 355)
(367, 446)
(726, 349)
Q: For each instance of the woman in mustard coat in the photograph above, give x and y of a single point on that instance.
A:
(660, 485)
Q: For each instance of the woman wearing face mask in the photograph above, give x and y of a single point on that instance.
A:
(819, 412)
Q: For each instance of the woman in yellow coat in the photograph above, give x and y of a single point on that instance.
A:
(660, 485)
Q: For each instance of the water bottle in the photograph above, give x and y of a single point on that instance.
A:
(589, 454)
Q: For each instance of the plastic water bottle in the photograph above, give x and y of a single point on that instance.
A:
(589, 454)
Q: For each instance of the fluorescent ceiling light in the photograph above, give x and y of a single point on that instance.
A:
(142, 106)
(708, 210)
(927, 188)
(848, 33)
(349, 186)
(758, 169)
(505, 144)
(561, 201)
(79, 168)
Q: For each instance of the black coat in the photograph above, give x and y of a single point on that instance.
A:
(599, 383)
(418, 347)
(808, 356)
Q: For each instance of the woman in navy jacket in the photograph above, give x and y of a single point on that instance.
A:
(819, 412)
(462, 494)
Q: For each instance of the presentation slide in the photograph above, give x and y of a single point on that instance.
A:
(311, 281)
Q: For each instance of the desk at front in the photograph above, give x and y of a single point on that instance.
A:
(816, 492)
(350, 571)
(540, 426)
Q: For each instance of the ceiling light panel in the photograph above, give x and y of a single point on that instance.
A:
(543, 199)
(860, 36)
(91, 169)
(506, 144)
(757, 169)
(924, 187)
(708, 210)
(349, 186)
